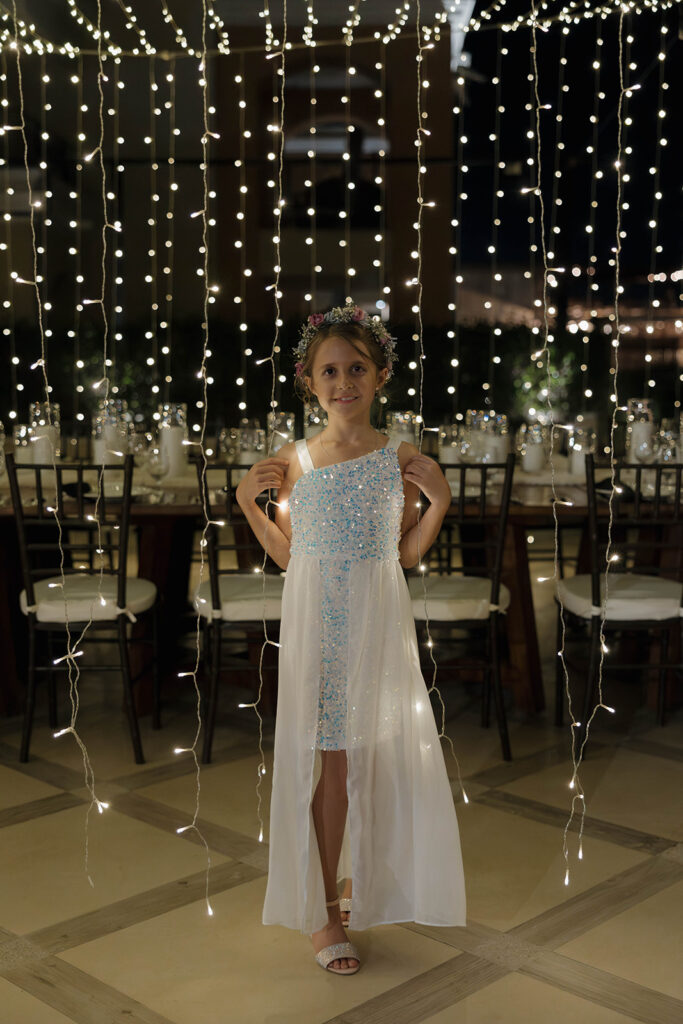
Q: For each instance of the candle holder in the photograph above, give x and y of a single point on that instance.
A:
(45, 431)
(172, 437)
(109, 433)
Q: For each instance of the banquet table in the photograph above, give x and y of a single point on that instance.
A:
(166, 515)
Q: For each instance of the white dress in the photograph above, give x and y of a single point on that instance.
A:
(349, 678)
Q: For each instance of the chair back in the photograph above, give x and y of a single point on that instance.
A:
(472, 538)
(231, 547)
(73, 517)
(647, 521)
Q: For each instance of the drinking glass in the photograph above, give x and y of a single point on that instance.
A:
(281, 428)
(173, 435)
(45, 431)
(157, 463)
(532, 443)
(640, 437)
(582, 442)
(23, 453)
(449, 443)
(403, 425)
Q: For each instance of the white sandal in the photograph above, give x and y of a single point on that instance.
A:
(345, 907)
(338, 951)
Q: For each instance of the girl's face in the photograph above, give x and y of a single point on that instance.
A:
(344, 379)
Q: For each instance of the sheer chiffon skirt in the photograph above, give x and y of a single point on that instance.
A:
(402, 847)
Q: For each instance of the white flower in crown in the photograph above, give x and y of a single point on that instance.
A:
(348, 314)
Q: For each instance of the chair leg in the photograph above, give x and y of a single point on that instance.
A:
(128, 691)
(156, 669)
(51, 688)
(30, 692)
(212, 702)
(498, 690)
(663, 672)
(559, 673)
(591, 680)
(486, 684)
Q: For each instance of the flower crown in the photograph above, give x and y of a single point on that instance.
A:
(349, 314)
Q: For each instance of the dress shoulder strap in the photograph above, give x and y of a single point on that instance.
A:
(394, 441)
(304, 455)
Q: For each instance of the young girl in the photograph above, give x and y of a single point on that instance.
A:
(374, 806)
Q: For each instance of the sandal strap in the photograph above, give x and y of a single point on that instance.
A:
(345, 904)
(332, 903)
(338, 951)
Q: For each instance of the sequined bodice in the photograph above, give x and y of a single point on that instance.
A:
(350, 510)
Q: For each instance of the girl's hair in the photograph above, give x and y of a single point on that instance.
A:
(351, 332)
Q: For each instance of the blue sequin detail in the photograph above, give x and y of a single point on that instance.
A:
(342, 514)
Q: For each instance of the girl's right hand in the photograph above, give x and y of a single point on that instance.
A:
(261, 477)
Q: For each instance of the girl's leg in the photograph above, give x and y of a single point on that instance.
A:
(329, 807)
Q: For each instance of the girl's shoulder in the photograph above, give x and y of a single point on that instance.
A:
(405, 451)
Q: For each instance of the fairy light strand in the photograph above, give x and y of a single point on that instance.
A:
(455, 248)
(383, 287)
(575, 784)
(545, 352)
(114, 199)
(272, 359)
(245, 271)
(169, 243)
(311, 181)
(151, 278)
(420, 202)
(488, 385)
(8, 301)
(76, 249)
(592, 286)
(653, 224)
(194, 672)
(73, 649)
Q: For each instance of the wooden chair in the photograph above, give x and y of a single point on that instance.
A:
(644, 583)
(466, 592)
(236, 596)
(73, 547)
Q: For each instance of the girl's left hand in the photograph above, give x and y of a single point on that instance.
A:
(425, 473)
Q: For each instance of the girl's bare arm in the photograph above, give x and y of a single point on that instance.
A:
(273, 536)
(421, 474)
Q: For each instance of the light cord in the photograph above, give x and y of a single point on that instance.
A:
(421, 172)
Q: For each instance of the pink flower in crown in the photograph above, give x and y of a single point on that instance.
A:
(315, 319)
(298, 367)
(358, 314)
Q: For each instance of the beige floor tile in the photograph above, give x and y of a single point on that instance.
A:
(185, 965)
(514, 868)
(518, 1000)
(18, 1007)
(44, 859)
(620, 786)
(644, 944)
(228, 794)
(17, 788)
(107, 739)
(478, 749)
(670, 735)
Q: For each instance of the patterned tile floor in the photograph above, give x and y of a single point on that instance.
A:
(138, 945)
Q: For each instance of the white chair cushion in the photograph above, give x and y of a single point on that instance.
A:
(630, 597)
(242, 597)
(454, 598)
(87, 598)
